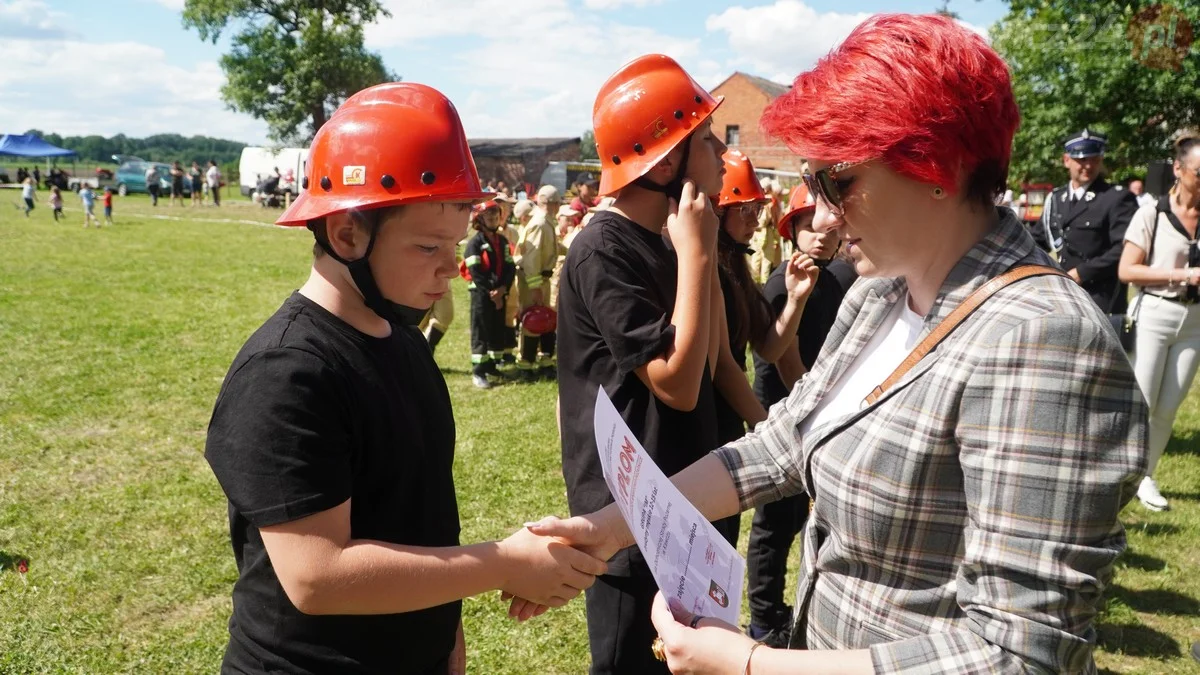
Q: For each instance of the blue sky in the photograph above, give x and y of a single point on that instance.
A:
(513, 67)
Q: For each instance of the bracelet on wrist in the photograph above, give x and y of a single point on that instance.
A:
(750, 657)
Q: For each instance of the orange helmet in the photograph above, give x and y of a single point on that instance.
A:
(799, 203)
(739, 185)
(539, 320)
(391, 144)
(642, 112)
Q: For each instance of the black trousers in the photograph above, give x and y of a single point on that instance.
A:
(619, 628)
(489, 332)
(530, 346)
(772, 533)
(216, 195)
(153, 194)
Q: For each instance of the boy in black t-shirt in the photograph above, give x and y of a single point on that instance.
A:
(333, 435)
(637, 317)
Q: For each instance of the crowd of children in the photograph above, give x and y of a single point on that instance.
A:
(87, 198)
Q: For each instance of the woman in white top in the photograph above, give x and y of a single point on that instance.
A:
(1161, 257)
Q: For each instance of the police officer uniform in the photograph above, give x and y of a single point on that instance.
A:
(1086, 227)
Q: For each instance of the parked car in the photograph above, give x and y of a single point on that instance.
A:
(131, 176)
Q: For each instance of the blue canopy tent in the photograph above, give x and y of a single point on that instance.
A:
(21, 145)
(26, 145)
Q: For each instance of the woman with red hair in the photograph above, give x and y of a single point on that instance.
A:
(965, 514)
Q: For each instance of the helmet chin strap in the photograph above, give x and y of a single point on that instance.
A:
(360, 272)
(673, 189)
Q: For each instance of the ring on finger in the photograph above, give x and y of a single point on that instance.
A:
(656, 648)
(695, 621)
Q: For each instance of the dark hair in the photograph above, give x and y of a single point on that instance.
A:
(1184, 146)
(750, 309)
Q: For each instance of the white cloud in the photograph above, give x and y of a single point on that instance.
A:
(780, 40)
(31, 20)
(511, 20)
(614, 4)
(72, 87)
(176, 5)
(563, 57)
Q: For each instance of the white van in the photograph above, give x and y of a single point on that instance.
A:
(257, 163)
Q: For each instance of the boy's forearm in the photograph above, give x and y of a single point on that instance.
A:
(373, 577)
(691, 319)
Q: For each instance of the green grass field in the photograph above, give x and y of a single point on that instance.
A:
(113, 344)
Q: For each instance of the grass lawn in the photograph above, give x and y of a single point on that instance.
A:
(113, 344)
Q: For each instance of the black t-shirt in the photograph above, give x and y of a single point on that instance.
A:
(819, 314)
(615, 303)
(730, 425)
(313, 413)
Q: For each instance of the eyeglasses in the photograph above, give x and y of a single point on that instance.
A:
(748, 210)
(824, 184)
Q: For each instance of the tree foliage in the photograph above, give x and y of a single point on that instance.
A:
(159, 148)
(293, 62)
(587, 145)
(1127, 69)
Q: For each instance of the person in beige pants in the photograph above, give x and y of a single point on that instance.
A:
(538, 253)
(1162, 258)
(766, 244)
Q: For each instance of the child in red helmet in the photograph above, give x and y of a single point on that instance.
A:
(333, 434)
(490, 263)
(638, 317)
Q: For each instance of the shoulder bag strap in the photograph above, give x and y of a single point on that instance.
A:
(960, 314)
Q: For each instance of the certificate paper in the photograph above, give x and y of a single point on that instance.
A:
(689, 559)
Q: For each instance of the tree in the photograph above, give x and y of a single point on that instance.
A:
(587, 145)
(1122, 69)
(294, 61)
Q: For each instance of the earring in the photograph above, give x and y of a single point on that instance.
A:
(938, 192)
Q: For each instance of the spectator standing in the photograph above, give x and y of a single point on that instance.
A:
(1162, 259)
(1138, 189)
(1085, 220)
(213, 179)
(177, 177)
(766, 252)
(196, 175)
(27, 193)
(585, 195)
(153, 184)
(56, 202)
(37, 178)
(537, 252)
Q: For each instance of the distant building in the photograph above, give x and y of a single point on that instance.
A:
(519, 162)
(736, 121)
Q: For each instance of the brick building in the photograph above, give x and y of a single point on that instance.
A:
(520, 161)
(736, 121)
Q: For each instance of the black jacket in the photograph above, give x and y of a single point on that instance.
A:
(1089, 235)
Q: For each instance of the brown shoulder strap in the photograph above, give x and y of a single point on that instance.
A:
(956, 317)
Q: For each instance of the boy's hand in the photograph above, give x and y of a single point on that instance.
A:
(545, 570)
(691, 223)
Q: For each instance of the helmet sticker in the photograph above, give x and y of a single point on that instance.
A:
(354, 175)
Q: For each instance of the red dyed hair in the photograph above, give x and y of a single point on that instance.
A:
(927, 96)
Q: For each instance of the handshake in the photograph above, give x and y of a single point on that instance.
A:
(552, 561)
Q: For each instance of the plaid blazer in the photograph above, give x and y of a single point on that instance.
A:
(967, 522)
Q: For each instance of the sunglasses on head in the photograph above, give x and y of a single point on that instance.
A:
(824, 184)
